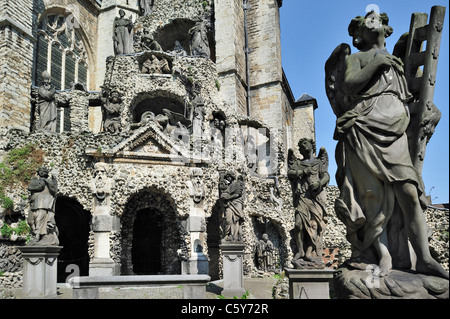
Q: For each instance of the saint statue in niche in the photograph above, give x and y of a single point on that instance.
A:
(123, 34)
(199, 44)
(46, 105)
(111, 107)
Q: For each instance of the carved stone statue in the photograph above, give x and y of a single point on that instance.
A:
(196, 188)
(231, 192)
(146, 6)
(199, 44)
(309, 177)
(123, 34)
(46, 105)
(198, 116)
(153, 65)
(265, 254)
(174, 125)
(111, 107)
(381, 193)
(101, 185)
(178, 49)
(42, 204)
(149, 43)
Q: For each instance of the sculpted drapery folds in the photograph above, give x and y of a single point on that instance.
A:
(42, 204)
(309, 177)
(123, 34)
(231, 190)
(381, 193)
(46, 105)
(111, 109)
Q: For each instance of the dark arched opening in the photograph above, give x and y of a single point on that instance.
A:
(152, 235)
(214, 239)
(178, 30)
(144, 103)
(73, 226)
(147, 242)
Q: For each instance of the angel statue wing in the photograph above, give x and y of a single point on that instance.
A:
(334, 75)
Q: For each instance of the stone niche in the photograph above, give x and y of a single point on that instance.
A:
(178, 30)
(263, 261)
(144, 102)
(152, 236)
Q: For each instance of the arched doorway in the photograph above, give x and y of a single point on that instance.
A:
(147, 242)
(73, 226)
(152, 235)
(213, 230)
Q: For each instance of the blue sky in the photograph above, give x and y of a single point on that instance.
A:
(311, 30)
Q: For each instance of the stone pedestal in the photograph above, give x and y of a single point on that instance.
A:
(309, 283)
(233, 271)
(102, 264)
(40, 271)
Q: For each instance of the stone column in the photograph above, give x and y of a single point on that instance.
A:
(233, 271)
(40, 271)
(309, 283)
(197, 264)
(102, 224)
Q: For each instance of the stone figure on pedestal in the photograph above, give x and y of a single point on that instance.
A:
(199, 40)
(123, 34)
(42, 204)
(382, 199)
(309, 177)
(111, 109)
(231, 192)
(265, 254)
(46, 105)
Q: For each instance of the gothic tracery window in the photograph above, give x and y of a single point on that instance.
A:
(61, 52)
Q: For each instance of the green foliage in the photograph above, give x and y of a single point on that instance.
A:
(22, 229)
(18, 167)
(217, 84)
(244, 296)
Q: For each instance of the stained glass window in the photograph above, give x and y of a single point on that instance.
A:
(66, 61)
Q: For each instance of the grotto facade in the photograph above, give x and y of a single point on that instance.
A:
(150, 105)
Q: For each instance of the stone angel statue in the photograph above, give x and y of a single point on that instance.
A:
(309, 178)
(381, 198)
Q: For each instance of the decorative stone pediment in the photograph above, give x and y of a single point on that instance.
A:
(149, 144)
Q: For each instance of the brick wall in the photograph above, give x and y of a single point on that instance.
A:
(230, 54)
(16, 56)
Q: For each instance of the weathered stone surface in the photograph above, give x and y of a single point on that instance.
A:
(360, 284)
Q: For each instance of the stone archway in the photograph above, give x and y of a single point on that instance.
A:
(147, 249)
(73, 223)
(152, 236)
